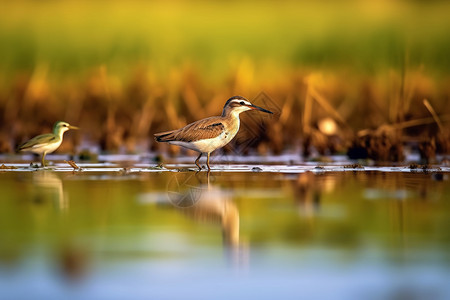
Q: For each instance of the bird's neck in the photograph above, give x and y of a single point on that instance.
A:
(231, 113)
(231, 120)
(59, 133)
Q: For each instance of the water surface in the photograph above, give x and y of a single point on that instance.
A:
(141, 233)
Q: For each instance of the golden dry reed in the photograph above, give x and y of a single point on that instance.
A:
(371, 116)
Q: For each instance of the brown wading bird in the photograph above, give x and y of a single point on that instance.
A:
(212, 133)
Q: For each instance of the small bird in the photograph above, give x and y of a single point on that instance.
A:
(47, 143)
(209, 134)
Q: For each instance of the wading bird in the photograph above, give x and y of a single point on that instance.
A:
(47, 143)
(212, 133)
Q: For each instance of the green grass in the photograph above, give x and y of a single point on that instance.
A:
(73, 36)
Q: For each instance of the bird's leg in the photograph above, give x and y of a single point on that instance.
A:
(43, 159)
(196, 161)
(207, 163)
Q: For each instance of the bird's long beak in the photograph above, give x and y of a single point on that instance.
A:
(260, 108)
(73, 127)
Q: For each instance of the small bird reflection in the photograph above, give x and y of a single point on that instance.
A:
(48, 187)
(207, 203)
(72, 258)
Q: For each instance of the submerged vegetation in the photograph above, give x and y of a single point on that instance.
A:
(349, 77)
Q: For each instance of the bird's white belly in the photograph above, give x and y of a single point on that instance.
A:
(206, 145)
(45, 148)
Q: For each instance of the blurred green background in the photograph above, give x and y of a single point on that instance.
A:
(72, 36)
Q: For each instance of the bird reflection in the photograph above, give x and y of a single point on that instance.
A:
(72, 258)
(48, 187)
(207, 203)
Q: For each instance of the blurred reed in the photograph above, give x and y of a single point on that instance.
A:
(322, 112)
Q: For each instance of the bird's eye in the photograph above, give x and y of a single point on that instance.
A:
(242, 103)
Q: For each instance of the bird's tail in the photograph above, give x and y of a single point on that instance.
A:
(21, 147)
(164, 136)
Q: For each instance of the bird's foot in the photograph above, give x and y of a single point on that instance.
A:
(44, 164)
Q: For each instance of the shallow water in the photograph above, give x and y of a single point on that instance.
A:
(287, 232)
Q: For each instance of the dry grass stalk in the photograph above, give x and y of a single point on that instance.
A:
(434, 114)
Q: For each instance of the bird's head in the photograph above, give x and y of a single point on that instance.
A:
(238, 104)
(61, 127)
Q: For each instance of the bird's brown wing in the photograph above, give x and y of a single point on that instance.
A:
(37, 141)
(203, 129)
